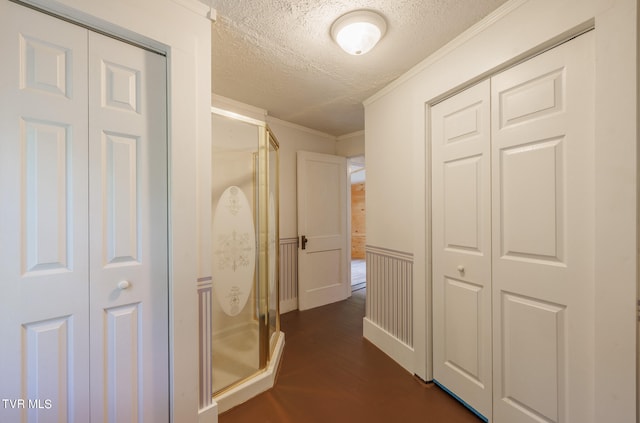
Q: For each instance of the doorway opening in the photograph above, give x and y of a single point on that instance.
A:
(358, 227)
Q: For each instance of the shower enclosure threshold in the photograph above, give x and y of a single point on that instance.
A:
(261, 382)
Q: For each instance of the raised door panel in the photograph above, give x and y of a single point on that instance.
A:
(543, 190)
(460, 141)
(324, 215)
(121, 240)
(123, 393)
(47, 200)
(128, 229)
(532, 192)
(534, 362)
(462, 200)
(462, 329)
(43, 219)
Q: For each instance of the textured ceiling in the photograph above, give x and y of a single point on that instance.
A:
(278, 54)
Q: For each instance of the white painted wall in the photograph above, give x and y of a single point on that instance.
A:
(396, 128)
(293, 138)
(181, 29)
(389, 152)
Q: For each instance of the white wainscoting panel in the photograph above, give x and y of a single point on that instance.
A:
(390, 292)
(205, 286)
(288, 274)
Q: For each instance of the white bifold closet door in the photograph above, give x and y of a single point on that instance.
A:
(543, 236)
(461, 178)
(541, 314)
(83, 225)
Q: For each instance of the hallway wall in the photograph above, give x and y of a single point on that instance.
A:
(294, 138)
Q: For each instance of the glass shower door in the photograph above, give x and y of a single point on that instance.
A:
(245, 249)
(235, 316)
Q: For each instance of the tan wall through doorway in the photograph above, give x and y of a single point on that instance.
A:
(358, 233)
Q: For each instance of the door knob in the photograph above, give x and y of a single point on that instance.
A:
(122, 285)
(303, 242)
(460, 268)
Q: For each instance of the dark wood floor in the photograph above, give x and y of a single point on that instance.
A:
(329, 373)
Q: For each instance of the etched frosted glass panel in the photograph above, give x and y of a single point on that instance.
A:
(234, 251)
(234, 235)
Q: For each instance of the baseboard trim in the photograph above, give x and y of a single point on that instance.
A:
(209, 414)
(288, 305)
(389, 344)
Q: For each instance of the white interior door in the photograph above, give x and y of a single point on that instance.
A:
(461, 236)
(543, 237)
(44, 290)
(128, 221)
(83, 187)
(322, 230)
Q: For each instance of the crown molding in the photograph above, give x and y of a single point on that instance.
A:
(197, 7)
(300, 128)
(448, 48)
(351, 135)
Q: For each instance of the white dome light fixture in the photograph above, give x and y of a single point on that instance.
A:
(359, 31)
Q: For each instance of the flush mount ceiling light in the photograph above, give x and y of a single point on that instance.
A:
(359, 31)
